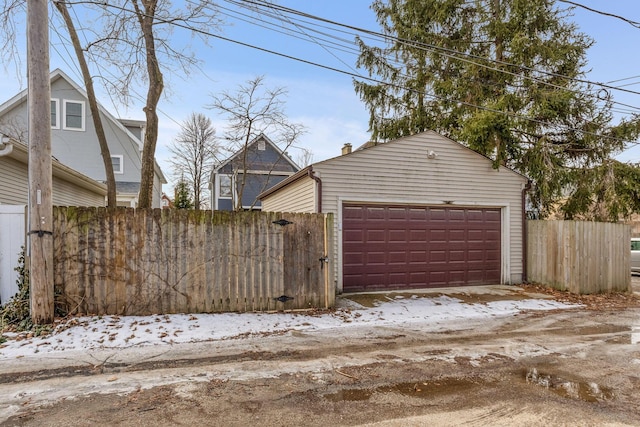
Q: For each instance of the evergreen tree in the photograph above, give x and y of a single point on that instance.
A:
(506, 78)
(182, 198)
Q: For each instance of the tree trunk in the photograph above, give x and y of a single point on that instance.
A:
(93, 105)
(156, 85)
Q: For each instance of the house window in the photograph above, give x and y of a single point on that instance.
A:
(73, 115)
(118, 164)
(262, 145)
(224, 187)
(55, 117)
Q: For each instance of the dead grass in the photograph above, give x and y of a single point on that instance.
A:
(608, 301)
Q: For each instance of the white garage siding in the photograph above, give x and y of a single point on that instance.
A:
(401, 172)
(70, 188)
(300, 196)
(14, 182)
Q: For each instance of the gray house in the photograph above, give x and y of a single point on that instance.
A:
(69, 188)
(236, 182)
(74, 142)
(422, 211)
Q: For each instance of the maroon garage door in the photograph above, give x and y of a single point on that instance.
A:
(403, 247)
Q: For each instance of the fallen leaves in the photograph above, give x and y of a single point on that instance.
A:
(614, 300)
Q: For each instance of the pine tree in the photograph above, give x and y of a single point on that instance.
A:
(182, 196)
(506, 78)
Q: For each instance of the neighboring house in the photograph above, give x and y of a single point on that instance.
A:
(166, 202)
(74, 142)
(422, 211)
(69, 188)
(238, 180)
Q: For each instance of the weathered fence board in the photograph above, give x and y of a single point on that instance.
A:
(581, 257)
(136, 262)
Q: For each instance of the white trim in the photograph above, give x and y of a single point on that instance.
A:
(64, 115)
(231, 185)
(261, 172)
(505, 229)
(120, 171)
(57, 121)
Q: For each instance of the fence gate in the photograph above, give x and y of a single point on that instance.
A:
(12, 238)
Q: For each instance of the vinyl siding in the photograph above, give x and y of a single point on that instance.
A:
(66, 193)
(299, 197)
(399, 172)
(14, 182)
(14, 187)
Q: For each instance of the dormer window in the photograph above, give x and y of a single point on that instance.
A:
(117, 162)
(73, 115)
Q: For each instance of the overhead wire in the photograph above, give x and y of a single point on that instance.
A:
(412, 43)
(357, 75)
(631, 22)
(262, 8)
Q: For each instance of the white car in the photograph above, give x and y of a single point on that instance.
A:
(635, 255)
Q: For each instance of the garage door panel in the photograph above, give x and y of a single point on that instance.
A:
(419, 215)
(397, 236)
(406, 247)
(437, 256)
(437, 236)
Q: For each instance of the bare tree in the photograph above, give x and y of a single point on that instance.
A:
(134, 41)
(93, 103)
(253, 110)
(304, 157)
(194, 151)
(137, 38)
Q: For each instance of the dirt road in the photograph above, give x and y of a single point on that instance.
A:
(568, 367)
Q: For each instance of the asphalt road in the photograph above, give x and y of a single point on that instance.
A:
(565, 367)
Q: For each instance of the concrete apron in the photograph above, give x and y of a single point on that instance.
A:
(468, 294)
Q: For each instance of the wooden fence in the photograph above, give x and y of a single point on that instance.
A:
(581, 257)
(138, 262)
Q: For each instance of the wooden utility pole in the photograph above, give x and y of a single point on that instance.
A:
(40, 179)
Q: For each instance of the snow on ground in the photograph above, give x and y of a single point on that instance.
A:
(102, 332)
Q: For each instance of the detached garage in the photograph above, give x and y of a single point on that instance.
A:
(419, 212)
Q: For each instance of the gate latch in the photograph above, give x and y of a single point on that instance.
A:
(323, 260)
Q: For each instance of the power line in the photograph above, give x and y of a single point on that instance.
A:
(262, 9)
(448, 51)
(635, 24)
(352, 74)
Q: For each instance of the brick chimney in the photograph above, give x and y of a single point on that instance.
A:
(346, 149)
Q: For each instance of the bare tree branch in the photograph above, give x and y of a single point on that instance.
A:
(254, 110)
(194, 152)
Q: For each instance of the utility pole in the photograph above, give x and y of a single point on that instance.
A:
(40, 234)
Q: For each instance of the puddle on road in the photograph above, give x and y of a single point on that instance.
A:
(422, 389)
(579, 390)
(591, 330)
(570, 389)
(619, 334)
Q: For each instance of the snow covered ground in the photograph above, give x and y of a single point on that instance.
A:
(435, 312)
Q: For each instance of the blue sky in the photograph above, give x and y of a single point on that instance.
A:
(324, 101)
